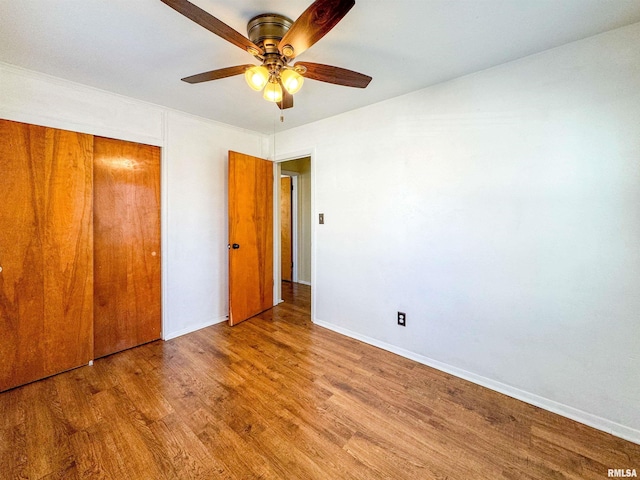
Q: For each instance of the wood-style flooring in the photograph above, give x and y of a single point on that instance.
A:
(278, 397)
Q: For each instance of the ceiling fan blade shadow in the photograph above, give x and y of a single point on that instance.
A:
(217, 74)
(314, 23)
(211, 23)
(335, 75)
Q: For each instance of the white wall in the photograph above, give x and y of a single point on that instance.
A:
(197, 288)
(501, 212)
(194, 180)
(31, 97)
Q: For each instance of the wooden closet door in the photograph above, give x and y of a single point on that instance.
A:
(286, 234)
(126, 245)
(250, 236)
(46, 296)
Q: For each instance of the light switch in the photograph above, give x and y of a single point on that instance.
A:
(321, 218)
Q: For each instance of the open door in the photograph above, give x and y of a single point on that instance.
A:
(250, 236)
(286, 244)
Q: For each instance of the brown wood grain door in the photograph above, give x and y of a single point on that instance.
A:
(286, 250)
(46, 252)
(126, 245)
(250, 236)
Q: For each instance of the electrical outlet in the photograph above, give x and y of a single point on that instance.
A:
(402, 319)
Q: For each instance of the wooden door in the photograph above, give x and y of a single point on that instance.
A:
(286, 244)
(250, 236)
(46, 245)
(126, 245)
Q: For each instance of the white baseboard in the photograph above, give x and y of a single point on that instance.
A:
(303, 282)
(193, 328)
(609, 426)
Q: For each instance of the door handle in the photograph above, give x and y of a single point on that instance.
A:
(235, 246)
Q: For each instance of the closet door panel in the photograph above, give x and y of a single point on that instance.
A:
(45, 252)
(126, 245)
(68, 250)
(21, 278)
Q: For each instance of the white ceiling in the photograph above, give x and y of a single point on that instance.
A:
(141, 48)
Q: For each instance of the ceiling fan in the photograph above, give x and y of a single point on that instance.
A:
(275, 41)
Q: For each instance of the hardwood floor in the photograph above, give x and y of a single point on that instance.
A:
(278, 397)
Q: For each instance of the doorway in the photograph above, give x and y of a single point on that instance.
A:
(295, 222)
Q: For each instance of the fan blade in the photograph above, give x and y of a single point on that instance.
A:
(211, 23)
(217, 74)
(314, 23)
(336, 75)
(287, 100)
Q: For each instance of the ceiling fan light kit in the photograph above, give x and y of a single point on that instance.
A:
(274, 74)
(273, 91)
(291, 80)
(257, 77)
(275, 41)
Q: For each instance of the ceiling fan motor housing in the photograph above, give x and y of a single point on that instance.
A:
(267, 30)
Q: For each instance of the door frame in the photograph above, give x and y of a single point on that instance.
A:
(277, 275)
